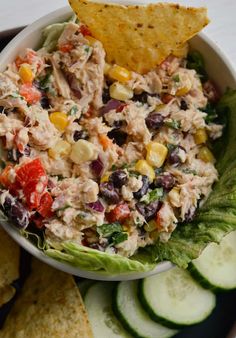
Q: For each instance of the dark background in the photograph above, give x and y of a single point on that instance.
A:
(217, 325)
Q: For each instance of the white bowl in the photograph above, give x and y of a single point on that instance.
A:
(217, 66)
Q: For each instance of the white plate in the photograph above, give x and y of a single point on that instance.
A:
(218, 68)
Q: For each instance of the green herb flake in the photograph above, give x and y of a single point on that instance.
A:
(189, 171)
(172, 124)
(87, 49)
(73, 110)
(176, 78)
(107, 230)
(153, 195)
(119, 237)
(195, 61)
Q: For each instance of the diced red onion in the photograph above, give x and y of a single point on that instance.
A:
(96, 206)
(97, 167)
(111, 104)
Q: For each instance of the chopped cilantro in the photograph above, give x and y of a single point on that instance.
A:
(172, 124)
(107, 230)
(189, 171)
(195, 61)
(176, 78)
(153, 195)
(87, 49)
(119, 237)
(73, 110)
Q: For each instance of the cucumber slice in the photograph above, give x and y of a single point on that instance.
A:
(127, 308)
(84, 285)
(174, 299)
(216, 267)
(102, 320)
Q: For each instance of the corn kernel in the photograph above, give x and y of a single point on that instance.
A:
(61, 149)
(26, 73)
(120, 92)
(150, 226)
(200, 136)
(105, 178)
(83, 151)
(187, 85)
(206, 155)
(156, 154)
(91, 40)
(145, 169)
(174, 197)
(160, 107)
(120, 74)
(60, 120)
(182, 51)
(106, 69)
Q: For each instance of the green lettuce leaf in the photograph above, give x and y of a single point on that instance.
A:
(51, 34)
(94, 260)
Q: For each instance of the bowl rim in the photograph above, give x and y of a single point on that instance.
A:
(14, 232)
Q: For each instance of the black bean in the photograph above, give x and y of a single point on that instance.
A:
(164, 180)
(109, 193)
(105, 95)
(16, 212)
(174, 157)
(118, 136)
(45, 103)
(80, 134)
(13, 155)
(148, 210)
(154, 120)
(141, 192)
(118, 178)
(183, 105)
(1, 109)
(27, 151)
(141, 97)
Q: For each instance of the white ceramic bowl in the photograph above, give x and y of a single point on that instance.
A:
(219, 69)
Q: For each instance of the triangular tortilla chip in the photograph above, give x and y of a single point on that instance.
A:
(6, 294)
(49, 305)
(140, 37)
(9, 259)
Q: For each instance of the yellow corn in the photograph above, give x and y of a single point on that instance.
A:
(120, 74)
(25, 73)
(105, 178)
(107, 67)
(60, 120)
(83, 151)
(120, 92)
(200, 136)
(91, 40)
(145, 169)
(61, 149)
(174, 197)
(156, 154)
(206, 155)
(185, 88)
(160, 107)
(150, 226)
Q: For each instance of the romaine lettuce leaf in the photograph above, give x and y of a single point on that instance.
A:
(94, 260)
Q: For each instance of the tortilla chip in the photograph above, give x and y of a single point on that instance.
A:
(140, 37)
(49, 305)
(6, 294)
(9, 259)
